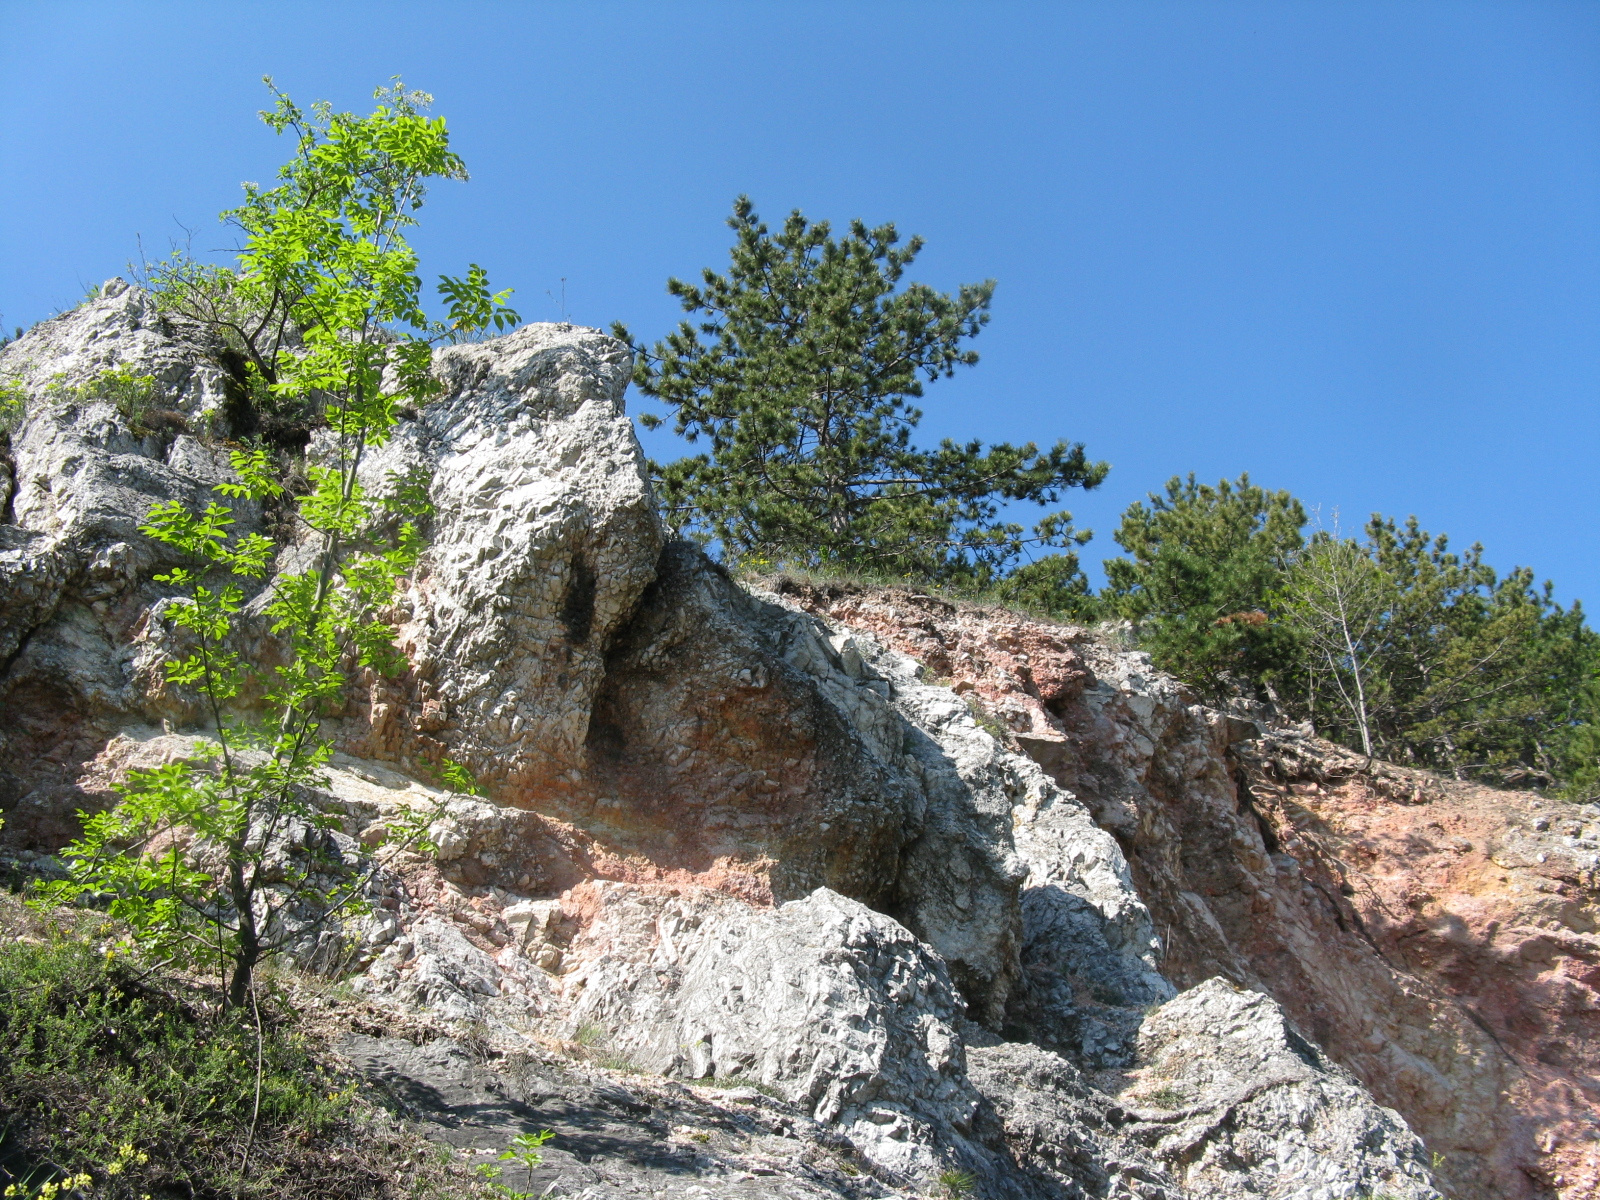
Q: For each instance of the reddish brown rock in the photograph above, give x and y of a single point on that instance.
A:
(1438, 939)
(1484, 907)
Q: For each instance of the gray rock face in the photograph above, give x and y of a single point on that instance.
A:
(1241, 1106)
(81, 632)
(84, 476)
(544, 534)
(1066, 1136)
(615, 1134)
(543, 537)
(737, 839)
(734, 743)
(119, 328)
(837, 1008)
(1082, 920)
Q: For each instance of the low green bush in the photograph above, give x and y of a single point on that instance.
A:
(136, 1080)
(13, 406)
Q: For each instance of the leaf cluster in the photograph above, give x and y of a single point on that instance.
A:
(1470, 672)
(209, 859)
(326, 296)
(13, 407)
(95, 1059)
(114, 1069)
(526, 1151)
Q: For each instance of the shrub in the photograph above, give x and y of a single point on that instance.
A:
(13, 407)
(109, 1070)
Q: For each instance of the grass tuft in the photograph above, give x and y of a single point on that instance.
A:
(729, 1082)
(1165, 1097)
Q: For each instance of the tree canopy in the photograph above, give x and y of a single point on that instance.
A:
(1391, 643)
(1204, 561)
(800, 373)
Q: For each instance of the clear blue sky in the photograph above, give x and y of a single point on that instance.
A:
(1351, 248)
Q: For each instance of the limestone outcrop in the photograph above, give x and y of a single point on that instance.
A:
(543, 536)
(931, 881)
(1436, 939)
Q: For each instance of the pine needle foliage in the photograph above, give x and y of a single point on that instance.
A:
(1203, 561)
(1392, 643)
(800, 371)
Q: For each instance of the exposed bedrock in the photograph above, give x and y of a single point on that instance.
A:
(81, 634)
(543, 537)
(822, 843)
(1437, 939)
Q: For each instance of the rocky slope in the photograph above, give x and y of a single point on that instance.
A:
(1437, 939)
(958, 892)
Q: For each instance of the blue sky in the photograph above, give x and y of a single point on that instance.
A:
(1353, 249)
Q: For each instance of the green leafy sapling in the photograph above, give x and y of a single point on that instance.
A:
(361, 176)
(226, 857)
(525, 1151)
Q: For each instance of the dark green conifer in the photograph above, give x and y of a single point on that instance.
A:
(800, 374)
(1204, 562)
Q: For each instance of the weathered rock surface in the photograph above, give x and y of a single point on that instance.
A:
(616, 1134)
(1240, 1105)
(729, 833)
(1386, 910)
(734, 744)
(1064, 1133)
(81, 631)
(543, 536)
(838, 1009)
(1458, 962)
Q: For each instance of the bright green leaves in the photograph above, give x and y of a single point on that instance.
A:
(131, 858)
(458, 779)
(13, 406)
(255, 476)
(799, 373)
(326, 248)
(473, 308)
(326, 302)
(527, 1151)
(204, 535)
(337, 505)
(201, 535)
(132, 395)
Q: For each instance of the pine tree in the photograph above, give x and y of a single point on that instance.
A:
(1480, 675)
(1205, 561)
(800, 374)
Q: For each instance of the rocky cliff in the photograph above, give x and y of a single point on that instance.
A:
(944, 889)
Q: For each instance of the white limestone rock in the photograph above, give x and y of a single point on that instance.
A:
(835, 1007)
(544, 534)
(1238, 1105)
